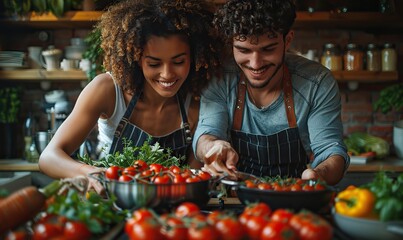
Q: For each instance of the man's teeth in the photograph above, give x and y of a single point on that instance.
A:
(258, 71)
(167, 84)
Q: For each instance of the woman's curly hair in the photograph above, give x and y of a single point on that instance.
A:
(127, 26)
(240, 19)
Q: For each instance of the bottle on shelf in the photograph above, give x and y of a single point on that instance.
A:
(30, 128)
(389, 57)
(353, 58)
(331, 57)
(373, 58)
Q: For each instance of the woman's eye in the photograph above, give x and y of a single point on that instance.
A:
(153, 64)
(179, 62)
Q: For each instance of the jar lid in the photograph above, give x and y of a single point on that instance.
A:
(352, 46)
(389, 45)
(330, 46)
(372, 46)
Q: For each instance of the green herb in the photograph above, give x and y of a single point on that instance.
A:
(94, 53)
(390, 98)
(9, 104)
(97, 213)
(389, 194)
(147, 152)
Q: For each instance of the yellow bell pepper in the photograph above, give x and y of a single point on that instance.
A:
(355, 202)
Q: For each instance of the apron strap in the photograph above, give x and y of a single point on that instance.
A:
(240, 104)
(288, 101)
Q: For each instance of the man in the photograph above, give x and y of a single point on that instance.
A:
(279, 111)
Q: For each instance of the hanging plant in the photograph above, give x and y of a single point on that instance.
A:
(94, 53)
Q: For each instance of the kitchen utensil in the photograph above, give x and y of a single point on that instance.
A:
(34, 56)
(41, 140)
(360, 228)
(312, 200)
(134, 195)
(52, 58)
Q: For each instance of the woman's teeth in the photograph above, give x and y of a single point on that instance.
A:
(167, 84)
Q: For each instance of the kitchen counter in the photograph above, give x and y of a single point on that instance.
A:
(389, 164)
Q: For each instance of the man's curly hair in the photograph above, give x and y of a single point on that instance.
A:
(127, 26)
(240, 19)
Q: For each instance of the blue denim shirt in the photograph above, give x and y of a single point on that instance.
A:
(317, 109)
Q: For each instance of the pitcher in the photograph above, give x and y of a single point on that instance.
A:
(52, 58)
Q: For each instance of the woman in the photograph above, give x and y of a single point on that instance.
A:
(159, 54)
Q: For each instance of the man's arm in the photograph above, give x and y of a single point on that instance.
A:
(331, 170)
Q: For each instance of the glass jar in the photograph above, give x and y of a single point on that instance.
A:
(373, 58)
(389, 57)
(353, 58)
(331, 57)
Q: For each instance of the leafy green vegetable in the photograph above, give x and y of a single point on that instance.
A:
(97, 213)
(360, 142)
(148, 153)
(389, 194)
(9, 104)
(390, 98)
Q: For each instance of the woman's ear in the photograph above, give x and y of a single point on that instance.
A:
(288, 39)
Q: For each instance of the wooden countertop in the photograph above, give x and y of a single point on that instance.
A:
(389, 164)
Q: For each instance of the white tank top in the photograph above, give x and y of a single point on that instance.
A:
(107, 127)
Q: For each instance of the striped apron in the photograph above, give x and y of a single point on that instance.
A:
(179, 141)
(281, 154)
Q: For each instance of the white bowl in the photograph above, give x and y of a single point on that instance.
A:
(361, 228)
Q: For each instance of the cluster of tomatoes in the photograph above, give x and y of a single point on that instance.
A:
(286, 184)
(52, 226)
(257, 221)
(156, 173)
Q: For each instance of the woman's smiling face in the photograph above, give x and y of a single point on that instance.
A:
(166, 63)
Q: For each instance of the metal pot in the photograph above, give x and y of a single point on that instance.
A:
(134, 195)
(311, 200)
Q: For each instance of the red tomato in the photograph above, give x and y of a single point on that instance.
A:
(277, 230)
(178, 178)
(281, 215)
(193, 179)
(296, 187)
(250, 184)
(113, 172)
(204, 175)
(156, 167)
(229, 228)
(258, 209)
(174, 229)
(140, 165)
(202, 232)
(142, 214)
(310, 226)
(146, 230)
(308, 187)
(125, 178)
(214, 216)
(46, 231)
(17, 235)
(187, 209)
(76, 230)
(255, 225)
(264, 186)
(175, 169)
(319, 186)
(131, 171)
(161, 179)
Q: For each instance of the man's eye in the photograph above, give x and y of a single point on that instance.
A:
(269, 49)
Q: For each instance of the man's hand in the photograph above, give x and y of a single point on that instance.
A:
(218, 156)
(331, 170)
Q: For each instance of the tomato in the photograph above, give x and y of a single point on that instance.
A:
(264, 186)
(310, 226)
(229, 228)
(113, 172)
(46, 231)
(187, 209)
(193, 179)
(140, 165)
(178, 178)
(156, 167)
(214, 216)
(202, 232)
(204, 175)
(250, 184)
(131, 171)
(17, 235)
(258, 209)
(308, 188)
(125, 178)
(148, 229)
(281, 215)
(174, 229)
(277, 230)
(175, 169)
(161, 179)
(147, 173)
(76, 230)
(319, 186)
(187, 173)
(255, 225)
(142, 214)
(296, 187)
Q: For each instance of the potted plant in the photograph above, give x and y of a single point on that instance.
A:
(391, 98)
(94, 53)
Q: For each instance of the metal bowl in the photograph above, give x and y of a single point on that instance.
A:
(360, 228)
(134, 195)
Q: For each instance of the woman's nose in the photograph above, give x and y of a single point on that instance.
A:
(167, 71)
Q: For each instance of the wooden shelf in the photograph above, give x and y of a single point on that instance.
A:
(42, 74)
(78, 75)
(305, 20)
(365, 76)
